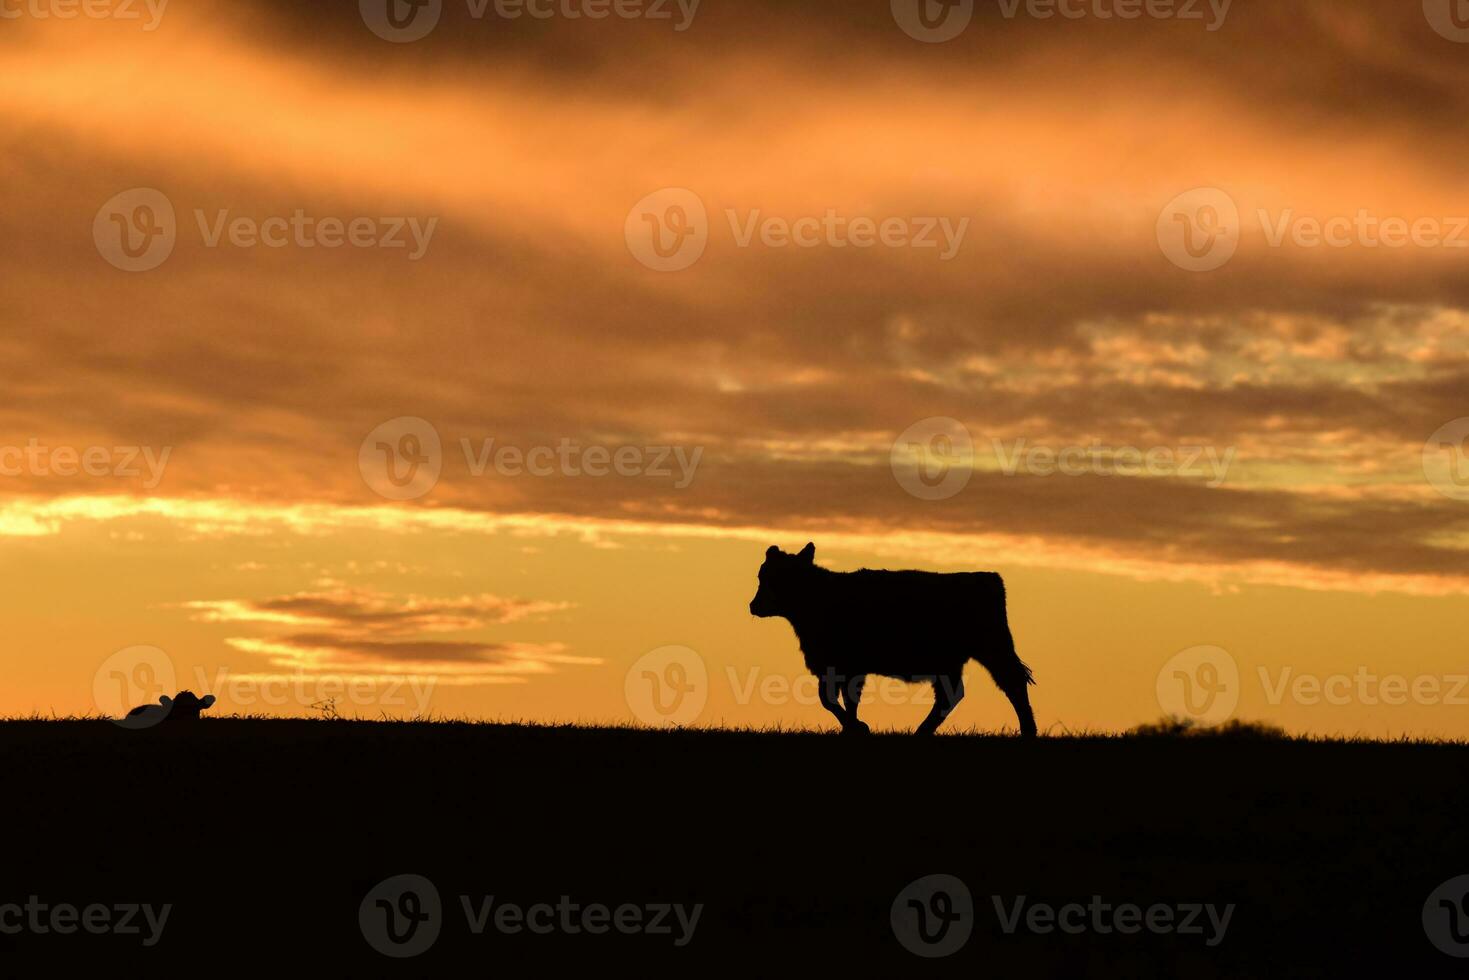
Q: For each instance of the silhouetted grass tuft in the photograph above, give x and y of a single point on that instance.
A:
(1173, 727)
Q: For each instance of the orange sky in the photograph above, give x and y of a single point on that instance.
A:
(189, 444)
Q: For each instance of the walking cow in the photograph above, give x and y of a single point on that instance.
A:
(915, 626)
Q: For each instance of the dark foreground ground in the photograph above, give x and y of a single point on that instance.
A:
(266, 836)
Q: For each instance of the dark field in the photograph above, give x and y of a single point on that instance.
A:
(265, 836)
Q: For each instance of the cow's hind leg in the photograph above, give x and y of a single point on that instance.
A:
(1019, 694)
(852, 695)
(1013, 678)
(947, 692)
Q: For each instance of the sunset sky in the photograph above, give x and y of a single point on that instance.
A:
(1084, 232)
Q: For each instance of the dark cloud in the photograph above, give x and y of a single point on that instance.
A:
(1059, 321)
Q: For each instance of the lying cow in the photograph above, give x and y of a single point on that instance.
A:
(185, 707)
(915, 626)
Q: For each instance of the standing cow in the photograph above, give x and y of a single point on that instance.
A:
(915, 626)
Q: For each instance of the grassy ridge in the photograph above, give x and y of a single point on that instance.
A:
(265, 835)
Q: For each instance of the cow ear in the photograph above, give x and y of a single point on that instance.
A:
(165, 700)
(772, 551)
(808, 553)
(207, 701)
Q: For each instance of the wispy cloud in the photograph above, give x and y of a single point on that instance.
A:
(360, 633)
(361, 611)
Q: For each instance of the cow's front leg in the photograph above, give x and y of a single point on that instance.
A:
(852, 695)
(827, 688)
(947, 692)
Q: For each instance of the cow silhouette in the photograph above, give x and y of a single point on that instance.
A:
(183, 707)
(915, 626)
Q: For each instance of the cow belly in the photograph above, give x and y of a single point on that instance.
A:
(903, 654)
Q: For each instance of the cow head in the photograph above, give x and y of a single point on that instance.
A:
(186, 706)
(782, 578)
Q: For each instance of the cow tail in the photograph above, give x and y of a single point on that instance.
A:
(1011, 672)
(1020, 667)
(1025, 669)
